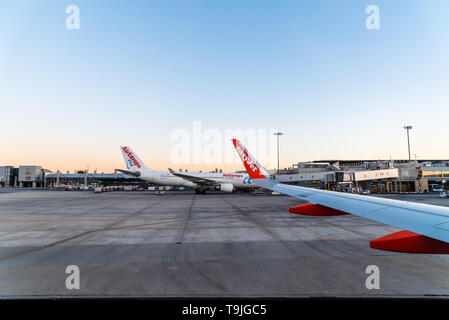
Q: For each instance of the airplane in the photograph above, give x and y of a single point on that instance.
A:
(200, 181)
(425, 227)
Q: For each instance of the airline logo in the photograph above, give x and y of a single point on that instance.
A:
(248, 180)
(245, 158)
(250, 165)
(132, 161)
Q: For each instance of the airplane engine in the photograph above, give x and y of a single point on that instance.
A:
(226, 187)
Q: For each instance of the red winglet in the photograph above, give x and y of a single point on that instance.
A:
(409, 242)
(310, 209)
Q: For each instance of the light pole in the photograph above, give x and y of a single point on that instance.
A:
(408, 142)
(277, 134)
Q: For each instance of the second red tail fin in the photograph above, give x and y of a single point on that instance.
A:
(253, 168)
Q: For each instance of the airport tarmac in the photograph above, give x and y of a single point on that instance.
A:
(138, 244)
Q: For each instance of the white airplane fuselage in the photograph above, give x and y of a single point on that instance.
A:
(165, 178)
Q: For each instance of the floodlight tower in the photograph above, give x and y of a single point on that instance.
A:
(277, 134)
(408, 141)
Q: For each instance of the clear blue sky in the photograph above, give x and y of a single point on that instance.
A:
(137, 70)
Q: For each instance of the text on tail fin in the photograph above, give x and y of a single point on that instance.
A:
(252, 167)
(131, 160)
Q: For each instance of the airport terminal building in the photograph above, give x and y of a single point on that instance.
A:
(22, 177)
(377, 176)
(58, 178)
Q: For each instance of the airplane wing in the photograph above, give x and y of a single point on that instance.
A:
(427, 226)
(193, 178)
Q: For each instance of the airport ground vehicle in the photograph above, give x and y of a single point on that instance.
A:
(437, 187)
(425, 227)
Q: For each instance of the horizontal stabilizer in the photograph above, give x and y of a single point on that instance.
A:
(130, 173)
(409, 242)
(310, 209)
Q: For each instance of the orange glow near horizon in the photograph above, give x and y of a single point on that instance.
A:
(108, 161)
(105, 164)
(101, 152)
